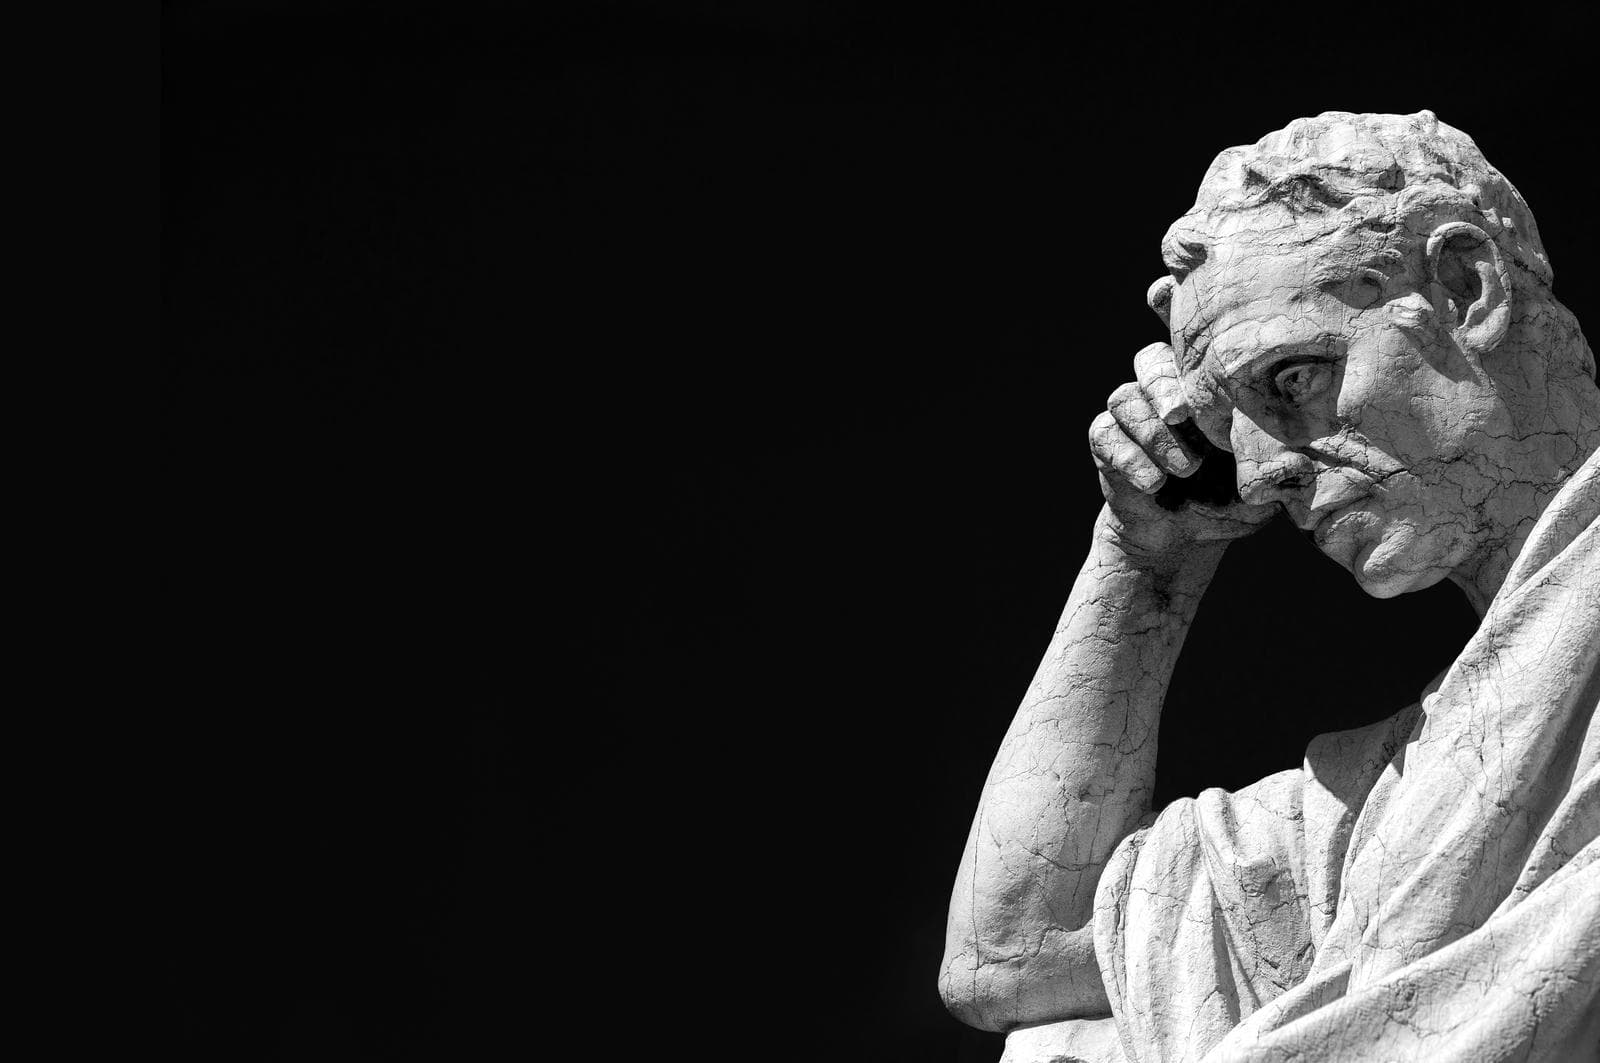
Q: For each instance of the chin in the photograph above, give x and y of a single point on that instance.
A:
(1394, 584)
(1397, 564)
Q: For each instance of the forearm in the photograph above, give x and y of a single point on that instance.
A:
(1073, 776)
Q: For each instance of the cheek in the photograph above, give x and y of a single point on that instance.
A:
(1379, 374)
(1398, 399)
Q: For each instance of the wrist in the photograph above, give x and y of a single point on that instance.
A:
(1159, 553)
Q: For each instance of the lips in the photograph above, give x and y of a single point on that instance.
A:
(1323, 531)
(1315, 518)
(1337, 489)
(1347, 535)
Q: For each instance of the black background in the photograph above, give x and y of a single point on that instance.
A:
(627, 459)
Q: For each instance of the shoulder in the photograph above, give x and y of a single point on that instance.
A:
(1348, 763)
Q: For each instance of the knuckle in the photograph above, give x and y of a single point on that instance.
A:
(1101, 430)
(1158, 383)
(1155, 359)
(1161, 438)
(1153, 354)
(1125, 396)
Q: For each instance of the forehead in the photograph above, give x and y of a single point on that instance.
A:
(1247, 299)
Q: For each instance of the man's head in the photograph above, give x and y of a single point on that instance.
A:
(1361, 311)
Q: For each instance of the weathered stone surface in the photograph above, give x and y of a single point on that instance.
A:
(1360, 313)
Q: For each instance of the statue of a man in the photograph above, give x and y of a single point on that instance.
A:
(1360, 313)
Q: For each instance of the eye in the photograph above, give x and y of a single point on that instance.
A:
(1303, 381)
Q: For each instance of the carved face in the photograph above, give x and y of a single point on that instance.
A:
(1344, 397)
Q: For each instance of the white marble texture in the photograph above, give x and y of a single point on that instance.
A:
(1360, 311)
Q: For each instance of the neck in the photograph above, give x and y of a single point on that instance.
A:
(1482, 577)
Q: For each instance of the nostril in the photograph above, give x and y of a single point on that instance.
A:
(1270, 485)
(1273, 477)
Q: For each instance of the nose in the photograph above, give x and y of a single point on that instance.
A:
(1268, 470)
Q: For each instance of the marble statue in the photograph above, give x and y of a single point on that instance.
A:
(1360, 313)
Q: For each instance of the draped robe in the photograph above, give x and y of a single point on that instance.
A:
(1425, 888)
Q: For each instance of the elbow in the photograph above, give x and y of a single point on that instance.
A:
(980, 995)
(1060, 980)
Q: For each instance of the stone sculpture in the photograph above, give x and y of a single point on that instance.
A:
(1360, 312)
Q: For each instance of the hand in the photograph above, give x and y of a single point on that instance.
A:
(1141, 443)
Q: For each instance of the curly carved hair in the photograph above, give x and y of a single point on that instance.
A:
(1383, 180)
(1344, 172)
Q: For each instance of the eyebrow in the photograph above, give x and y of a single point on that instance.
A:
(1320, 346)
(1196, 339)
(1388, 261)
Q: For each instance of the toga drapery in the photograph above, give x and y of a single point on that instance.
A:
(1426, 888)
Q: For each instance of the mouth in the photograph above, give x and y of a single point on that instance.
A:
(1314, 519)
(1346, 489)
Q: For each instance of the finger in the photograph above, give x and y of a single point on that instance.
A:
(1135, 412)
(1157, 372)
(1113, 450)
(1234, 519)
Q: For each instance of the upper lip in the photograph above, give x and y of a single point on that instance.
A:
(1355, 487)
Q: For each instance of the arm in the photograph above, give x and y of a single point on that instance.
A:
(1073, 776)
(1075, 771)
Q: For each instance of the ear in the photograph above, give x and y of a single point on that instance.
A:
(1471, 286)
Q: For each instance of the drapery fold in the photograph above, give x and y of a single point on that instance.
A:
(1426, 888)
